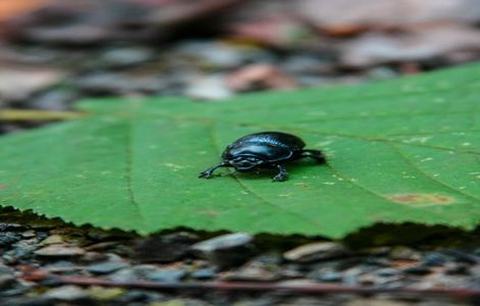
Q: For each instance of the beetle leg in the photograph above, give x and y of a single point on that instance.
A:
(209, 172)
(315, 154)
(282, 174)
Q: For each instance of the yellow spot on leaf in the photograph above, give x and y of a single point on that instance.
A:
(421, 198)
(174, 167)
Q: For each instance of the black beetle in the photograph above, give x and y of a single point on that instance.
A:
(266, 150)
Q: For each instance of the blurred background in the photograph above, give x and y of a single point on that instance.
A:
(55, 52)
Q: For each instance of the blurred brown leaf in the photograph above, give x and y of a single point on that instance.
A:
(420, 43)
(259, 76)
(19, 83)
(387, 13)
(12, 8)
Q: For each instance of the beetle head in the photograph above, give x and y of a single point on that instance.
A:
(244, 162)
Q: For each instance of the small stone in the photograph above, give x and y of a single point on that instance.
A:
(208, 88)
(61, 266)
(225, 250)
(453, 268)
(124, 275)
(174, 302)
(53, 239)
(253, 271)
(435, 259)
(203, 274)
(303, 64)
(223, 242)
(167, 275)
(29, 234)
(60, 251)
(387, 272)
(106, 83)
(142, 296)
(382, 301)
(381, 73)
(106, 267)
(5, 227)
(105, 294)
(462, 256)
(217, 54)
(22, 250)
(66, 293)
(404, 253)
(329, 276)
(125, 57)
(9, 238)
(95, 257)
(57, 99)
(316, 251)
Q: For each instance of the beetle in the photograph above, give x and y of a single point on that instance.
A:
(264, 150)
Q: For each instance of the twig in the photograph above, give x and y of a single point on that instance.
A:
(299, 288)
(37, 115)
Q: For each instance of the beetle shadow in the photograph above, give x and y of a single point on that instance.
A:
(293, 168)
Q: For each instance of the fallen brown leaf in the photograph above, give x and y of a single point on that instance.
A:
(259, 76)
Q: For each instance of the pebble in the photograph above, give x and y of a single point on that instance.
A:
(106, 267)
(434, 259)
(125, 57)
(387, 272)
(66, 293)
(223, 242)
(404, 253)
(10, 227)
(208, 88)
(59, 251)
(316, 251)
(328, 276)
(204, 274)
(105, 294)
(253, 271)
(29, 234)
(124, 275)
(22, 250)
(52, 239)
(225, 250)
(56, 99)
(142, 297)
(217, 54)
(107, 83)
(166, 275)
(453, 268)
(305, 64)
(62, 266)
(9, 238)
(464, 257)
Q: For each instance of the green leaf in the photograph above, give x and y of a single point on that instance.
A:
(406, 150)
